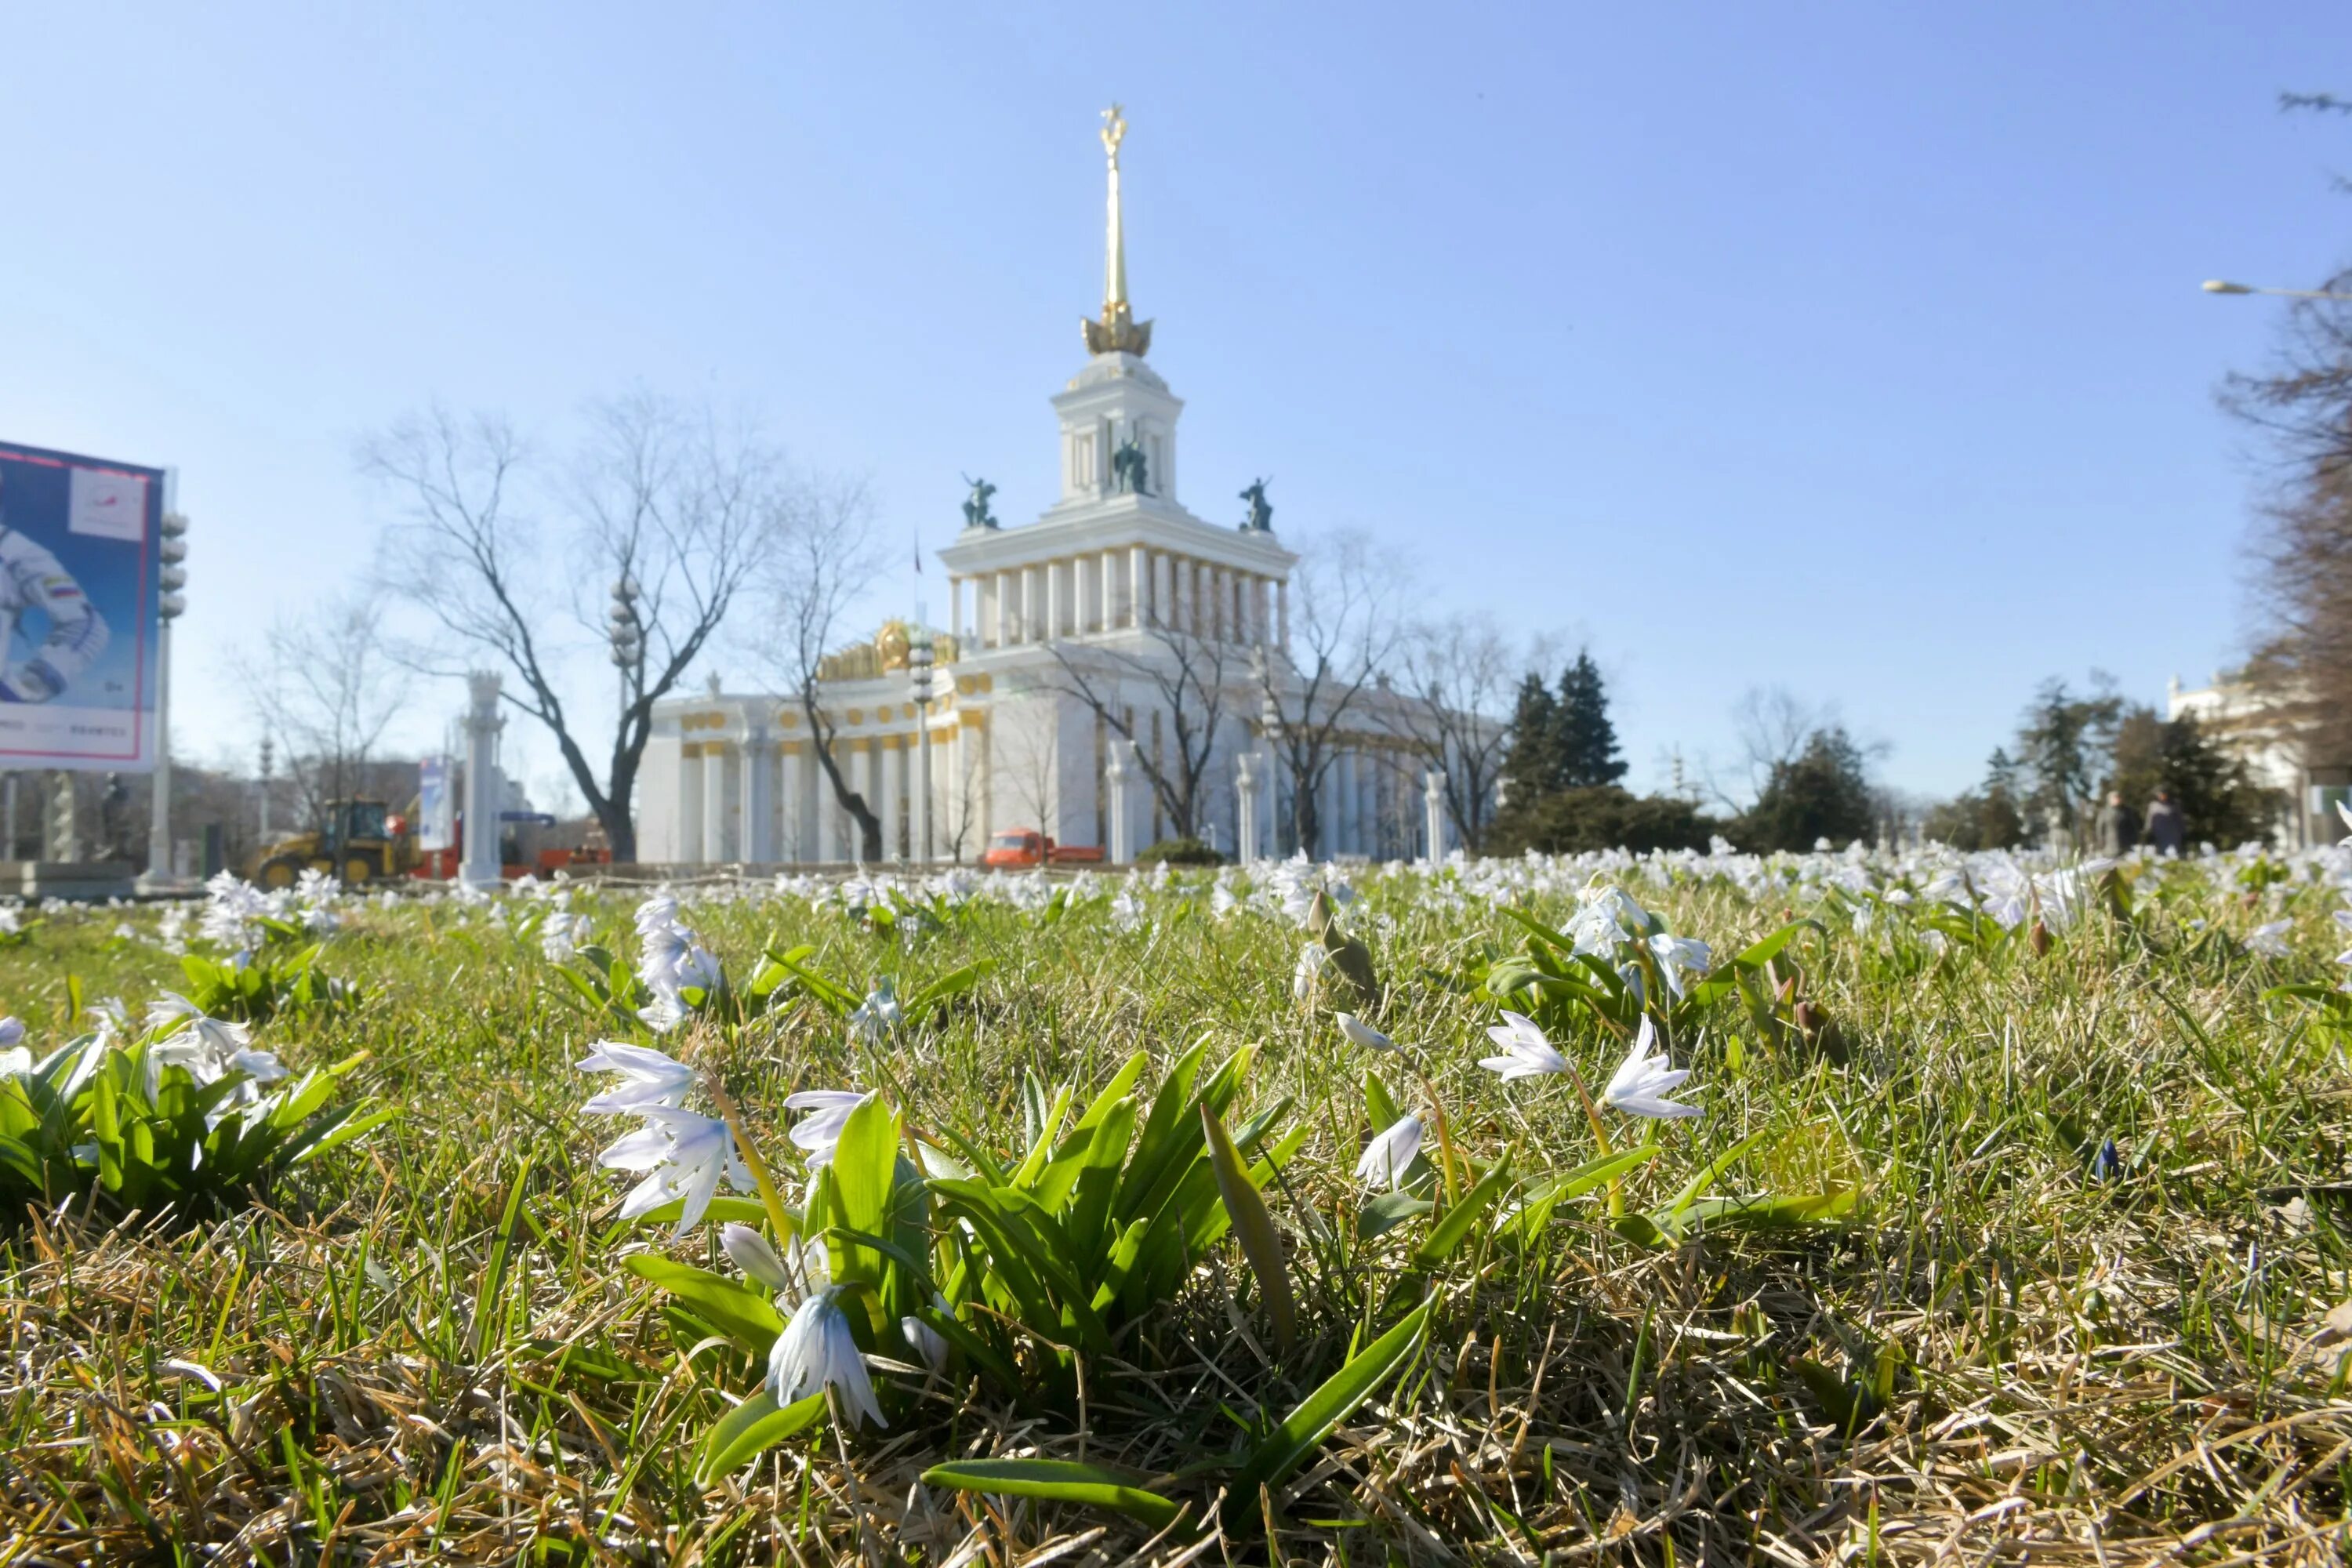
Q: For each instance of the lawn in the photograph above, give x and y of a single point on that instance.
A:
(2008, 1227)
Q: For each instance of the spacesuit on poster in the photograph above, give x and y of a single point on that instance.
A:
(31, 579)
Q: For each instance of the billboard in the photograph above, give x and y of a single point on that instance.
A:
(81, 542)
(436, 804)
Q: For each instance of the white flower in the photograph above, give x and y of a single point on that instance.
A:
(927, 1342)
(757, 1258)
(1525, 1052)
(648, 1076)
(1678, 956)
(816, 1351)
(684, 1154)
(1642, 1081)
(209, 1048)
(817, 1134)
(1363, 1034)
(879, 1014)
(2270, 940)
(1311, 969)
(1390, 1151)
(561, 934)
(754, 1255)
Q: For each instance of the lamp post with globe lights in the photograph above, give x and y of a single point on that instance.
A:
(627, 636)
(169, 605)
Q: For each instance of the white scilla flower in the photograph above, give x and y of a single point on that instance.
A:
(684, 1155)
(817, 1351)
(815, 1135)
(1525, 1052)
(1642, 1081)
(1363, 1034)
(1390, 1153)
(648, 1076)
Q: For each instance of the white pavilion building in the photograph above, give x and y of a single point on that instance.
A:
(1054, 626)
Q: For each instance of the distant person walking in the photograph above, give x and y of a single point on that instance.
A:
(2119, 826)
(2165, 833)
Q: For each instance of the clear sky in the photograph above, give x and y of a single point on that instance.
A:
(1854, 348)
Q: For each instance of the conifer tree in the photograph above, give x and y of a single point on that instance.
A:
(1532, 766)
(1586, 747)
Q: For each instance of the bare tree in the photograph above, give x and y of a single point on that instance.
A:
(1774, 725)
(1188, 679)
(824, 560)
(1029, 755)
(326, 687)
(1345, 630)
(663, 505)
(961, 815)
(1463, 671)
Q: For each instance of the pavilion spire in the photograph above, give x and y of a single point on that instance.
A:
(1117, 332)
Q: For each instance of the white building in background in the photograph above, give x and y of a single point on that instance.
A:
(1053, 626)
(2258, 730)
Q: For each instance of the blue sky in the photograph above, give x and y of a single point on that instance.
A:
(1852, 348)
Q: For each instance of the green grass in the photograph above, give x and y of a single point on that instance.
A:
(1991, 1354)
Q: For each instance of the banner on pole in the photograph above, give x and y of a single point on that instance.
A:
(436, 805)
(81, 549)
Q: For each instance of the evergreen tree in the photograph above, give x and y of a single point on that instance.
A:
(1586, 746)
(1532, 766)
(1821, 793)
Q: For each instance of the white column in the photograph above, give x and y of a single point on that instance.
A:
(1122, 840)
(893, 760)
(1106, 605)
(758, 796)
(1433, 807)
(955, 608)
(862, 780)
(1138, 584)
(1031, 603)
(1003, 609)
(1163, 584)
(1245, 805)
(479, 865)
(1056, 602)
(918, 821)
(790, 799)
(1181, 596)
(828, 811)
(1282, 613)
(714, 803)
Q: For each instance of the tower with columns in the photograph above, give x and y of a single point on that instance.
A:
(1116, 577)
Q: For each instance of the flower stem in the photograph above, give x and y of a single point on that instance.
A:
(779, 1216)
(1445, 1155)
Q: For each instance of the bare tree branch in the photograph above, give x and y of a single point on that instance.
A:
(659, 497)
(1345, 596)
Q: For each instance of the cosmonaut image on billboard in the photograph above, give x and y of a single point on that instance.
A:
(80, 559)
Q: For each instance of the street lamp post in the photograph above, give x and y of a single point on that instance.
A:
(269, 755)
(920, 662)
(170, 603)
(2220, 286)
(1269, 723)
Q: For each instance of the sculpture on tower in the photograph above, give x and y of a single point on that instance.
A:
(1117, 331)
(1261, 511)
(1129, 472)
(975, 505)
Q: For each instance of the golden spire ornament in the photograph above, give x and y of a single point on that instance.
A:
(1117, 331)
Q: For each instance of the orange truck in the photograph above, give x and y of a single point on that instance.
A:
(1015, 848)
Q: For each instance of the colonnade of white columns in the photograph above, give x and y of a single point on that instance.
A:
(761, 801)
(1096, 591)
